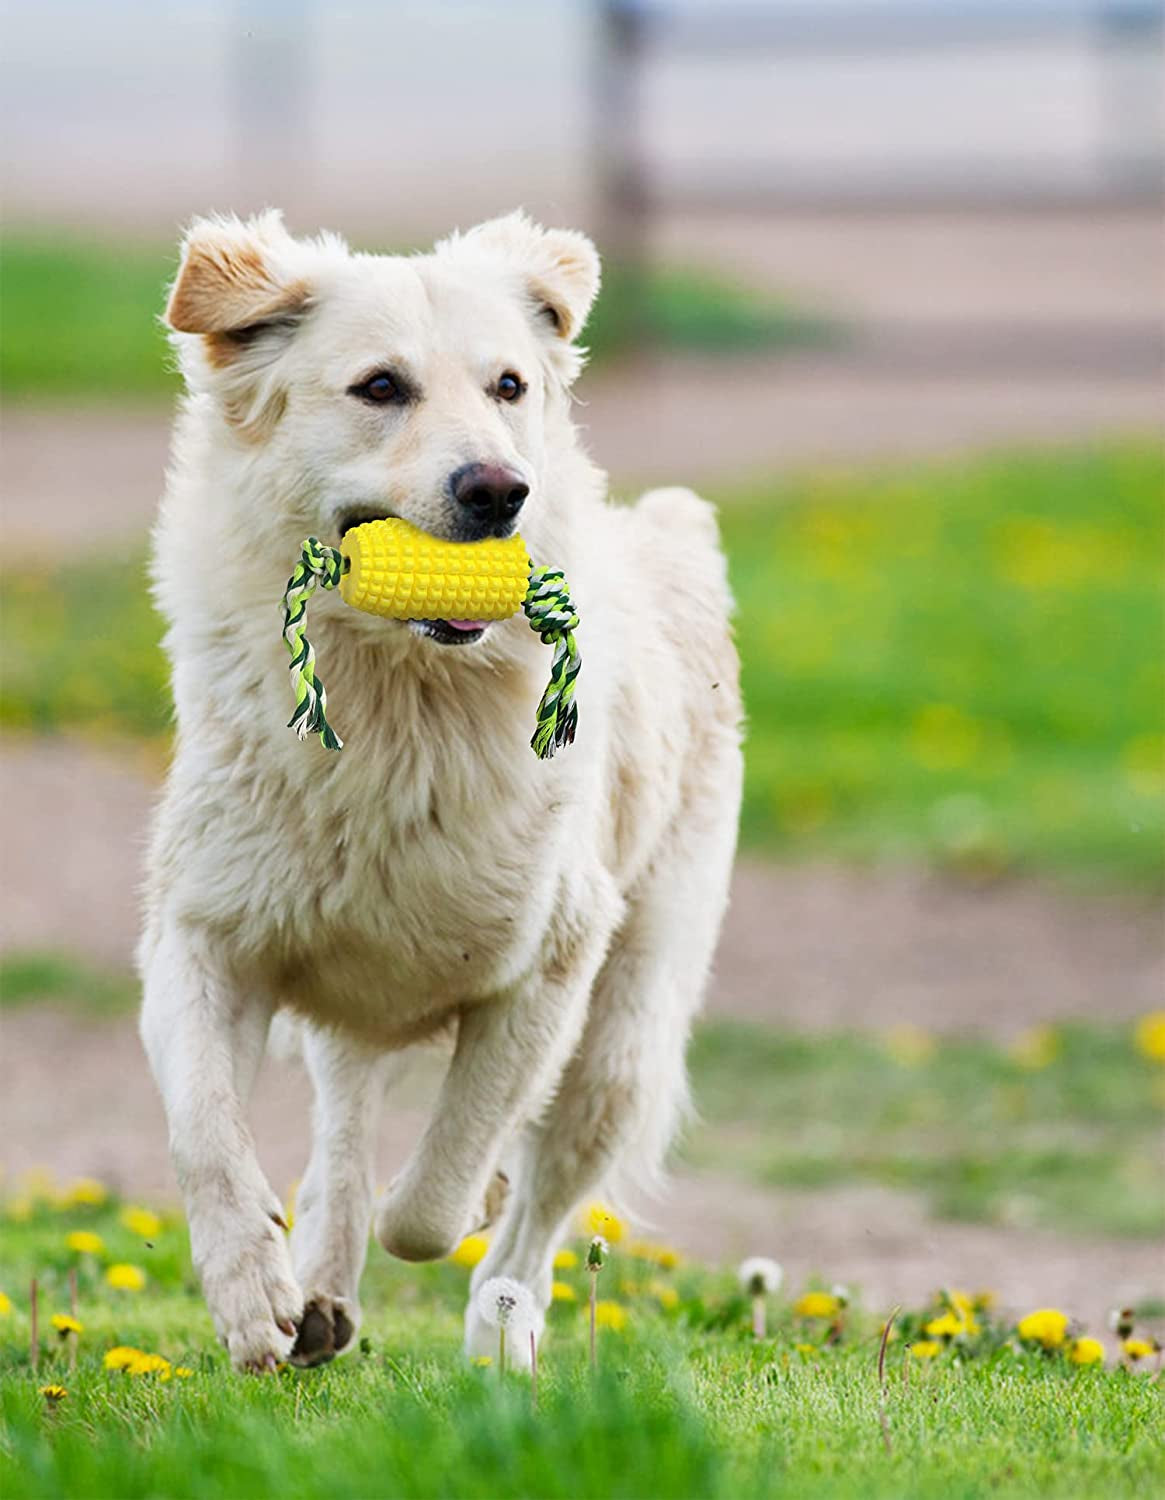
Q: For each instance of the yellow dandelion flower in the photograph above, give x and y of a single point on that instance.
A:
(5, 1304)
(926, 1349)
(1086, 1352)
(85, 1242)
(565, 1260)
(471, 1249)
(142, 1222)
(599, 1218)
(662, 1256)
(665, 1294)
(148, 1364)
(482, 1360)
(1035, 1049)
(1139, 1348)
(183, 1372)
(1047, 1326)
(53, 1392)
(817, 1305)
(910, 1045)
(85, 1192)
(39, 1183)
(561, 1291)
(65, 1324)
(612, 1315)
(807, 1351)
(120, 1357)
(944, 737)
(125, 1278)
(948, 1326)
(1150, 1035)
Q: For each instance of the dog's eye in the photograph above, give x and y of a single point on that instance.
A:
(379, 389)
(511, 387)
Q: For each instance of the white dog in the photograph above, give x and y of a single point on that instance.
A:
(557, 917)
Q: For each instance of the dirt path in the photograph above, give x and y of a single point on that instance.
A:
(813, 946)
(77, 1099)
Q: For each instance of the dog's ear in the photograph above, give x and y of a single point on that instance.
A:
(235, 304)
(234, 276)
(559, 271)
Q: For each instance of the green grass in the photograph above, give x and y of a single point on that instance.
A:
(28, 978)
(959, 664)
(1073, 1145)
(80, 318)
(685, 1404)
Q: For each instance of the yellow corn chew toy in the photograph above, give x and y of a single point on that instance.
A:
(392, 569)
(402, 573)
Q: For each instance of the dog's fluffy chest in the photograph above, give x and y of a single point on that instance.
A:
(383, 890)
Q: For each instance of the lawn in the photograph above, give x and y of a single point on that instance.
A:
(685, 1401)
(81, 322)
(1060, 1129)
(959, 664)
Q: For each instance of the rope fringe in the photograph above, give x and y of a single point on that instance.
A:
(322, 566)
(551, 613)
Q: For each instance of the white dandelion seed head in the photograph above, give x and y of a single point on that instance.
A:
(506, 1303)
(841, 1293)
(759, 1275)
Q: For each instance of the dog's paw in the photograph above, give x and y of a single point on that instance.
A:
(327, 1328)
(250, 1287)
(421, 1225)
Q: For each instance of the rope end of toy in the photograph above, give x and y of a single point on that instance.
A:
(323, 566)
(551, 612)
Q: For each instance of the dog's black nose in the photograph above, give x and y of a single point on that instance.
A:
(490, 494)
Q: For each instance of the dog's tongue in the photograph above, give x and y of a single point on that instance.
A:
(466, 624)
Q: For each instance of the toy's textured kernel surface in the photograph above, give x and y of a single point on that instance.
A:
(390, 568)
(405, 574)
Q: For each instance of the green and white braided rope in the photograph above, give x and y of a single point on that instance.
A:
(323, 566)
(551, 613)
(547, 606)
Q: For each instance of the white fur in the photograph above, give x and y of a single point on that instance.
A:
(557, 917)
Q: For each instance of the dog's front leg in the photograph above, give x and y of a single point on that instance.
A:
(510, 1051)
(205, 1043)
(333, 1209)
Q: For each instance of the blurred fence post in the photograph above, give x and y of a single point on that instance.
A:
(271, 68)
(619, 170)
(1129, 37)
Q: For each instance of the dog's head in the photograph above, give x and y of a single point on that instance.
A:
(359, 386)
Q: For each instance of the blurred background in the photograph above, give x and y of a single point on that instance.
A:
(886, 280)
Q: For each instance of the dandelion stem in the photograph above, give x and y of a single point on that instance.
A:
(882, 1347)
(759, 1324)
(594, 1300)
(501, 1350)
(33, 1327)
(883, 1419)
(533, 1371)
(73, 1315)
